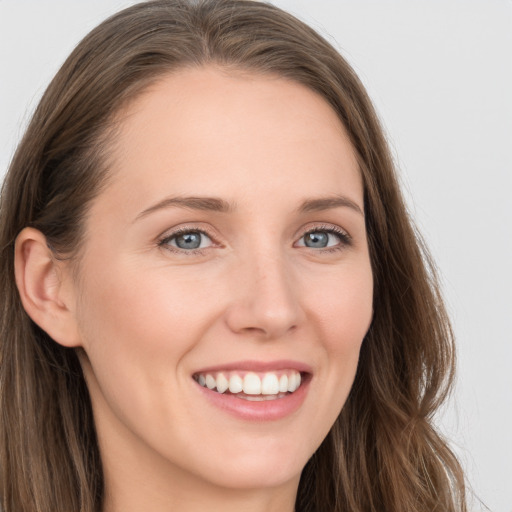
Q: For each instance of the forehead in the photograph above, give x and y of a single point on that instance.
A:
(210, 131)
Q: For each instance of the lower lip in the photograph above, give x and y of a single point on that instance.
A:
(265, 410)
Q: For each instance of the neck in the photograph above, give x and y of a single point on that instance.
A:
(197, 501)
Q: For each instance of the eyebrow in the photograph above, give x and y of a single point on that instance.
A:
(215, 204)
(211, 204)
(328, 203)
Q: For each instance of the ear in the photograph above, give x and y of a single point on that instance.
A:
(46, 287)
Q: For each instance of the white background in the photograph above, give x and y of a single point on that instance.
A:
(440, 74)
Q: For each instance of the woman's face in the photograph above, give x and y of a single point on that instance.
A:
(228, 250)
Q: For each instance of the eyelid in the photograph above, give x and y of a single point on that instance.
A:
(164, 239)
(344, 236)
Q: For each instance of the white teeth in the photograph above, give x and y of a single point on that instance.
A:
(252, 384)
(222, 383)
(293, 382)
(210, 382)
(268, 385)
(283, 384)
(235, 384)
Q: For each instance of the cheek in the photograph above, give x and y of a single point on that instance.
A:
(134, 328)
(137, 326)
(344, 309)
(343, 316)
(141, 311)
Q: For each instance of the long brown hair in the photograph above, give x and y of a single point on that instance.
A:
(383, 453)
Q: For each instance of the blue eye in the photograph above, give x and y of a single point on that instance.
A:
(317, 239)
(187, 240)
(324, 238)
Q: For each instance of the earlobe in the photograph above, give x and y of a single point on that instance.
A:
(44, 286)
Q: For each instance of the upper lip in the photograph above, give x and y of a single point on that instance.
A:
(259, 366)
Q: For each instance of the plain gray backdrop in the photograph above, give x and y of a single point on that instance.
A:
(440, 74)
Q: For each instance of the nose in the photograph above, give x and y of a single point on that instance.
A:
(265, 299)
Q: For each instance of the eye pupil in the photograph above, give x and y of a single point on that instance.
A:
(316, 239)
(188, 241)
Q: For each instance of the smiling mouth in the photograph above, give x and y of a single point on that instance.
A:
(252, 386)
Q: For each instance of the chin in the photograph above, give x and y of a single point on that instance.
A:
(264, 468)
(255, 476)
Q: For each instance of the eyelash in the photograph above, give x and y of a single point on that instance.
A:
(165, 241)
(344, 238)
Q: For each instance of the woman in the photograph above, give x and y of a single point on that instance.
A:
(214, 298)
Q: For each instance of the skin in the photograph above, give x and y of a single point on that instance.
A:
(148, 314)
